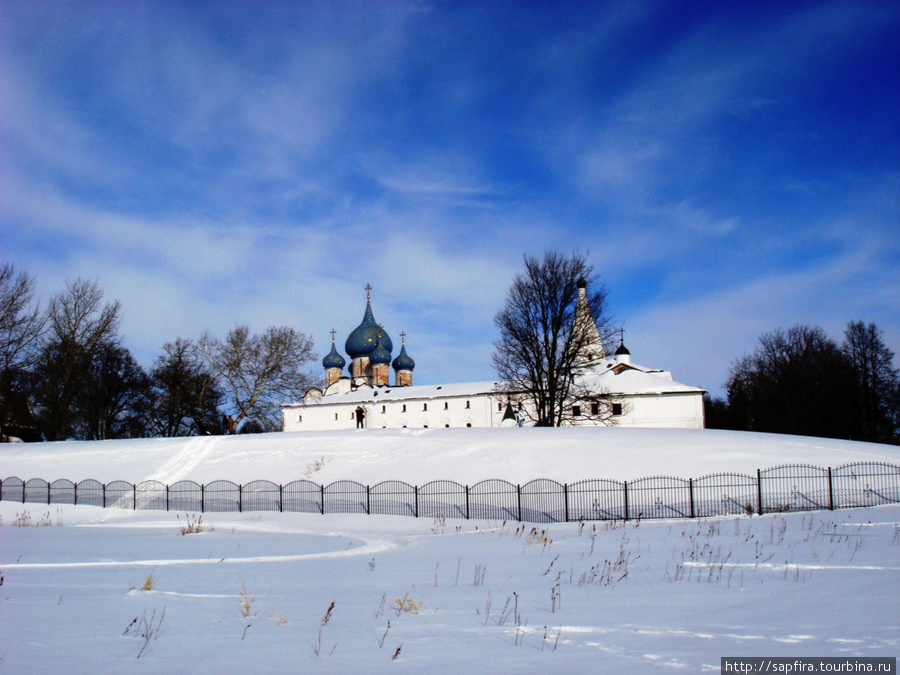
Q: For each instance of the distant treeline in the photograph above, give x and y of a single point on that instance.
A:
(800, 381)
(65, 373)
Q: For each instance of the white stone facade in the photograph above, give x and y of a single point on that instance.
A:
(639, 397)
(616, 392)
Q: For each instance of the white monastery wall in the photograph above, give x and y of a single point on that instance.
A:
(641, 397)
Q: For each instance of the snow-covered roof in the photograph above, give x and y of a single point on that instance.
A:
(634, 380)
(367, 393)
(607, 377)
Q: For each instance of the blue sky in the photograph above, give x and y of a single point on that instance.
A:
(729, 167)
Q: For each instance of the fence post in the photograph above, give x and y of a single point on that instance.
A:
(202, 498)
(759, 499)
(519, 500)
(368, 504)
(625, 491)
(416, 488)
(134, 496)
(691, 493)
(167, 496)
(830, 492)
(76, 494)
(467, 502)
(322, 493)
(48, 489)
(104, 495)
(280, 498)
(566, 500)
(240, 498)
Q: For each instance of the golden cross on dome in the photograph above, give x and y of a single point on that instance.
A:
(333, 331)
(402, 338)
(368, 288)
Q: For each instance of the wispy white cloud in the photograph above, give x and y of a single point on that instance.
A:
(214, 165)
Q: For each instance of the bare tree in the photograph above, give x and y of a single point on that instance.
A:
(795, 382)
(79, 327)
(260, 372)
(113, 400)
(21, 320)
(186, 397)
(546, 340)
(876, 381)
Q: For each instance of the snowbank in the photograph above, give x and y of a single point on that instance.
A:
(421, 455)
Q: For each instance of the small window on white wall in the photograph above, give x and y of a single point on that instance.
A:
(616, 408)
(299, 418)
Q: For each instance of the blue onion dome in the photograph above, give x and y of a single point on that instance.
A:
(334, 360)
(366, 336)
(380, 354)
(403, 361)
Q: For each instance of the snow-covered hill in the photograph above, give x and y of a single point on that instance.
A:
(420, 455)
(88, 590)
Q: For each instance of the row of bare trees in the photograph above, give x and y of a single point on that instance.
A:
(65, 372)
(800, 381)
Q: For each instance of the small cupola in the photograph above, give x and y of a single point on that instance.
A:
(333, 363)
(622, 353)
(403, 365)
(333, 359)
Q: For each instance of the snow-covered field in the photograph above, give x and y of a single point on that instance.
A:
(106, 590)
(421, 455)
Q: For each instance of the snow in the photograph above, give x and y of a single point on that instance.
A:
(635, 382)
(421, 455)
(249, 593)
(417, 392)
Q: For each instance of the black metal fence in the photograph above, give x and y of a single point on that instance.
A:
(793, 487)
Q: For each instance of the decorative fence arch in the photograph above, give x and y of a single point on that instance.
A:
(791, 487)
(151, 495)
(494, 499)
(303, 496)
(62, 491)
(443, 499)
(393, 498)
(345, 496)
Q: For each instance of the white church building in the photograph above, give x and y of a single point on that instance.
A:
(632, 395)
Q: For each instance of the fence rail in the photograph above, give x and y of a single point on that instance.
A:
(791, 487)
